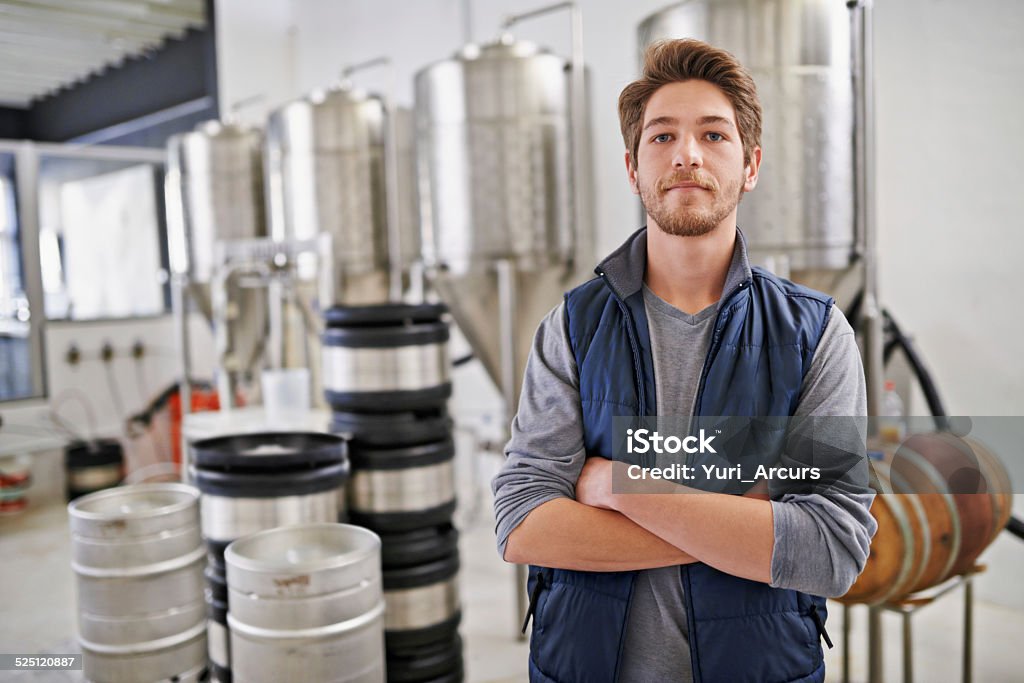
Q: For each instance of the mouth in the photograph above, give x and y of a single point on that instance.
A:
(686, 183)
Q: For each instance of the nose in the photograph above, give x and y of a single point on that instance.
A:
(687, 153)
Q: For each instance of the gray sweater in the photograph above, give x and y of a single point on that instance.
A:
(821, 540)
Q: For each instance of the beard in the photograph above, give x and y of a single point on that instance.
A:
(687, 220)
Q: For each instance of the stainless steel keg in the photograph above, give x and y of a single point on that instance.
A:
(387, 358)
(399, 489)
(138, 559)
(422, 603)
(253, 482)
(306, 603)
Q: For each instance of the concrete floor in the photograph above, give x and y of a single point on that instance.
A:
(38, 610)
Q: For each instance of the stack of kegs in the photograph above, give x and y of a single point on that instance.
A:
(138, 561)
(255, 482)
(386, 377)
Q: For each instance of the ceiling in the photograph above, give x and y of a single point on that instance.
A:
(49, 44)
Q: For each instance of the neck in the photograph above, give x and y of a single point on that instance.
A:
(689, 272)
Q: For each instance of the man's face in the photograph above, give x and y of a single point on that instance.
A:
(689, 170)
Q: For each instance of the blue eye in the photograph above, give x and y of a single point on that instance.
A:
(715, 137)
(664, 137)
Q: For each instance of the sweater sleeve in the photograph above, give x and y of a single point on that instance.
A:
(822, 538)
(545, 454)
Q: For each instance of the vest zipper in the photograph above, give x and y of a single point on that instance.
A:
(820, 625)
(537, 588)
(714, 344)
(631, 329)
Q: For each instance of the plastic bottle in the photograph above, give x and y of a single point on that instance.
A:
(891, 428)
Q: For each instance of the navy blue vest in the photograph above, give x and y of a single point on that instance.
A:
(763, 342)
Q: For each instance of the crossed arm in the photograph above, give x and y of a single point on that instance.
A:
(606, 531)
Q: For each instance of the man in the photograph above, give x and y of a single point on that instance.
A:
(661, 587)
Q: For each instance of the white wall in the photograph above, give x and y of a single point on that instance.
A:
(255, 57)
(949, 145)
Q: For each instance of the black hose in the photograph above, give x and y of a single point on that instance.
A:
(894, 338)
(463, 360)
(1016, 527)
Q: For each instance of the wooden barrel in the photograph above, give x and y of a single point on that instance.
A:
(942, 501)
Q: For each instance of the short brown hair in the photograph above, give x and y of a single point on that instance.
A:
(670, 61)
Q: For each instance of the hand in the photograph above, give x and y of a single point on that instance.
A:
(594, 486)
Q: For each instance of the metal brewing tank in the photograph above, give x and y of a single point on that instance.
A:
(327, 170)
(493, 129)
(214, 192)
(801, 216)
(493, 125)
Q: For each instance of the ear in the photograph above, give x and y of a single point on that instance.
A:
(631, 173)
(751, 169)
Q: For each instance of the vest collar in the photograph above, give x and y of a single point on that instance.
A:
(624, 268)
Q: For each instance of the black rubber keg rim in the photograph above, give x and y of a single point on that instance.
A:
(390, 522)
(218, 611)
(215, 555)
(390, 430)
(406, 457)
(271, 484)
(81, 454)
(389, 401)
(394, 336)
(432, 662)
(383, 314)
(397, 641)
(311, 449)
(217, 582)
(421, 575)
(418, 546)
(223, 674)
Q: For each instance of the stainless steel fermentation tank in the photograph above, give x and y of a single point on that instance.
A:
(811, 216)
(502, 211)
(214, 191)
(801, 215)
(504, 191)
(329, 169)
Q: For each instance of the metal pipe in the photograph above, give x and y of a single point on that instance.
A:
(908, 648)
(968, 661)
(507, 306)
(275, 323)
(179, 311)
(874, 644)
(26, 173)
(847, 611)
(99, 152)
(222, 342)
(864, 178)
(577, 114)
(390, 172)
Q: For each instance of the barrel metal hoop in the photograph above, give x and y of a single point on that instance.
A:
(317, 633)
(147, 646)
(145, 570)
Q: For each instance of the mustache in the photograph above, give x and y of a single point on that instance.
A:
(705, 182)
